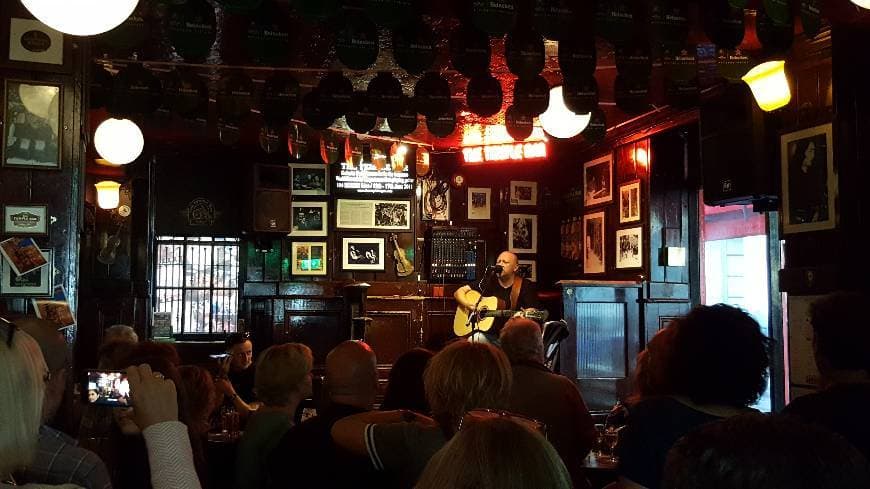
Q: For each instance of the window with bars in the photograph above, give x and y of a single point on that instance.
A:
(197, 282)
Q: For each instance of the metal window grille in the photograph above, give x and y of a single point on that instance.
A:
(197, 281)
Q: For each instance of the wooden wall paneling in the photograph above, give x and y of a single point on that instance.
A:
(391, 331)
(604, 321)
(318, 323)
(438, 323)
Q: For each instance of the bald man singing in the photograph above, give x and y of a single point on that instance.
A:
(514, 292)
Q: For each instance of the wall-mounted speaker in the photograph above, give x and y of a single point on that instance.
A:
(738, 150)
(271, 211)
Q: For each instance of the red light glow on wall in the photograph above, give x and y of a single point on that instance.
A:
(484, 143)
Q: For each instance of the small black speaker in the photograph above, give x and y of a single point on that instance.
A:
(738, 150)
(271, 211)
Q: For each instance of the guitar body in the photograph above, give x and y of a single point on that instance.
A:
(461, 326)
(404, 267)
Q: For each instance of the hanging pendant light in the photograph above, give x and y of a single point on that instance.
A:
(119, 141)
(862, 3)
(559, 121)
(81, 17)
(108, 194)
(769, 85)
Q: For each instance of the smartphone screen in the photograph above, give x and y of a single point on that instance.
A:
(106, 388)
(218, 356)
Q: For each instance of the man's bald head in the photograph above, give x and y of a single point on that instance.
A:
(509, 263)
(351, 374)
(522, 341)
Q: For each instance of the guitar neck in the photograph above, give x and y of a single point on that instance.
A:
(497, 313)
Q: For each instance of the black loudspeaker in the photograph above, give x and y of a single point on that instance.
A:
(738, 150)
(271, 211)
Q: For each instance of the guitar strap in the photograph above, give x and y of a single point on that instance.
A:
(515, 292)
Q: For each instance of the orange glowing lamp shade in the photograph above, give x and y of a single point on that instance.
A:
(641, 156)
(398, 152)
(108, 194)
(769, 85)
(422, 161)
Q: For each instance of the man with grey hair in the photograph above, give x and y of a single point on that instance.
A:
(120, 332)
(550, 398)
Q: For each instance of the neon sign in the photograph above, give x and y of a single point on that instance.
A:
(484, 143)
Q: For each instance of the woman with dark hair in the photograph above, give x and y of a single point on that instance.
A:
(716, 366)
(405, 388)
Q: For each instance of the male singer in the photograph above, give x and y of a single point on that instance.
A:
(501, 284)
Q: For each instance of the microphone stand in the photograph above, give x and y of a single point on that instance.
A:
(474, 316)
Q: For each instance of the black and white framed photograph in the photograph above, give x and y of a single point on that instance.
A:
(25, 219)
(598, 181)
(523, 233)
(36, 283)
(387, 215)
(809, 180)
(435, 198)
(308, 258)
(309, 179)
(629, 202)
(524, 193)
(32, 125)
(479, 199)
(629, 248)
(528, 269)
(308, 218)
(593, 242)
(362, 254)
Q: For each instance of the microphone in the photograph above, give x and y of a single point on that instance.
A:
(494, 269)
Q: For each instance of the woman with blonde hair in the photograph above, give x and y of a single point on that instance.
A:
(461, 377)
(495, 453)
(282, 379)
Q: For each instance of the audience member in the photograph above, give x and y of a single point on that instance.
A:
(236, 378)
(202, 396)
(405, 387)
(282, 381)
(841, 343)
(495, 453)
(120, 332)
(547, 397)
(461, 377)
(650, 374)
(351, 386)
(716, 368)
(753, 451)
(58, 458)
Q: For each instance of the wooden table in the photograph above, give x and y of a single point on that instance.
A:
(599, 470)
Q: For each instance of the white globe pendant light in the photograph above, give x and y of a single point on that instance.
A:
(862, 3)
(81, 17)
(559, 121)
(119, 141)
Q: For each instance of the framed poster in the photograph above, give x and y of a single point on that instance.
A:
(524, 193)
(55, 308)
(629, 248)
(479, 199)
(22, 255)
(435, 199)
(32, 125)
(36, 283)
(593, 243)
(523, 233)
(27, 44)
(598, 181)
(392, 215)
(629, 202)
(362, 254)
(309, 179)
(528, 269)
(25, 219)
(809, 180)
(308, 258)
(308, 218)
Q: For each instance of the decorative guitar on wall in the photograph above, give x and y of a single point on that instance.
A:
(108, 253)
(404, 267)
(488, 308)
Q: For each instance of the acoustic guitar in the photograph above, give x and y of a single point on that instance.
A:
(404, 267)
(487, 311)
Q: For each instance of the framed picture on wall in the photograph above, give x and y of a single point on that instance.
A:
(523, 233)
(809, 180)
(308, 218)
(25, 219)
(629, 202)
(528, 269)
(524, 193)
(309, 179)
(32, 125)
(593, 243)
(435, 198)
(598, 181)
(479, 199)
(629, 248)
(308, 258)
(28, 44)
(36, 283)
(362, 254)
(388, 215)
